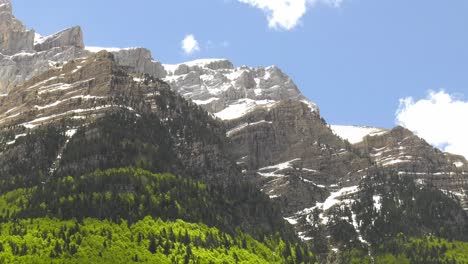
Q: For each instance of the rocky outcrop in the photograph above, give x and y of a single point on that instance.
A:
(72, 37)
(216, 85)
(25, 54)
(14, 37)
(139, 60)
(17, 68)
(5, 6)
(407, 154)
(19, 61)
(292, 153)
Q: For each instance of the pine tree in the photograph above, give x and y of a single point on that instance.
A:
(152, 246)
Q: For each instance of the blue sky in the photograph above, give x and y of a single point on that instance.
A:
(355, 60)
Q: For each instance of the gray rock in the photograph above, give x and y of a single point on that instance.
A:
(219, 65)
(72, 37)
(5, 6)
(182, 69)
(21, 58)
(20, 67)
(140, 60)
(14, 37)
(216, 84)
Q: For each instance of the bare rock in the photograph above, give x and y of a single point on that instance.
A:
(72, 37)
(14, 37)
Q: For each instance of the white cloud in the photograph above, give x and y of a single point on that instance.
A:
(286, 14)
(440, 119)
(190, 44)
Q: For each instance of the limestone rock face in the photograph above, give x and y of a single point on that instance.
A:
(229, 92)
(293, 154)
(14, 37)
(17, 68)
(407, 154)
(5, 6)
(72, 37)
(140, 60)
(18, 59)
(25, 54)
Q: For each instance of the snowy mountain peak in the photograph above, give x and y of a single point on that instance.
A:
(230, 92)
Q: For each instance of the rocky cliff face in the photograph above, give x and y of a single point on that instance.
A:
(407, 154)
(25, 54)
(229, 92)
(85, 91)
(14, 37)
(72, 37)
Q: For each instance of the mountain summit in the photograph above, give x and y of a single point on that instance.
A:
(230, 92)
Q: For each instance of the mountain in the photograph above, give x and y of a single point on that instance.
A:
(271, 125)
(131, 160)
(282, 143)
(229, 92)
(71, 139)
(64, 126)
(25, 53)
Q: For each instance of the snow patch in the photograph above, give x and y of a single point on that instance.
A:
(356, 134)
(16, 137)
(291, 220)
(377, 202)
(204, 102)
(70, 133)
(39, 39)
(276, 168)
(245, 125)
(242, 107)
(333, 199)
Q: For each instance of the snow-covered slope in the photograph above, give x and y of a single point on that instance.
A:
(230, 92)
(356, 134)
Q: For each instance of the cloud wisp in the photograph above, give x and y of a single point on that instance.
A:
(190, 44)
(440, 119)
(286, 14)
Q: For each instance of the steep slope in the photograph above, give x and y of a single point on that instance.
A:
(91, 114)
(283, 144)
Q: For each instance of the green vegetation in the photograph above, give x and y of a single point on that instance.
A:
(46, 240)
(109, 217)
(132, 194)
(178, 137)
(405, 250)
